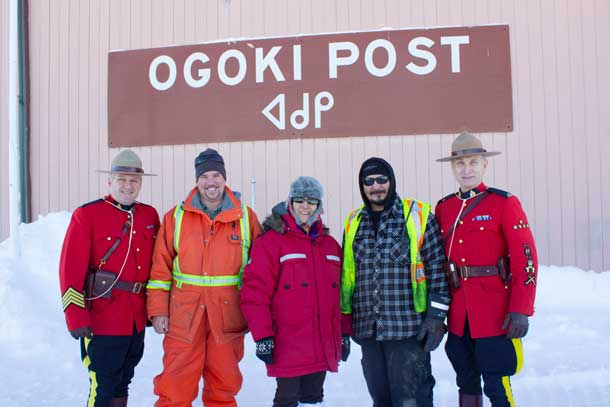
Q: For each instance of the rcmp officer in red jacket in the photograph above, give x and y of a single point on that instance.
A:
(492, 271)
(105, 263)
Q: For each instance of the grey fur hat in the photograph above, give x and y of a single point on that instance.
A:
(306, 187)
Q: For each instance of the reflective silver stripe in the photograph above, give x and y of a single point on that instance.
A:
(206, 281)
(292, 256)
(439, 305)
(334, 258)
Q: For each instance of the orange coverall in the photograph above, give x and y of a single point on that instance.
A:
(206, 327)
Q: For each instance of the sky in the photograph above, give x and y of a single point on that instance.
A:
(566, 362)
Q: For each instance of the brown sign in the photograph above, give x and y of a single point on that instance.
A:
(441, 80)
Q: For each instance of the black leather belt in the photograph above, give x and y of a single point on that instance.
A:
(134, 288)
(478, 271)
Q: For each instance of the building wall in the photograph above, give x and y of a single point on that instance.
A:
(554, 159)
(4, 165)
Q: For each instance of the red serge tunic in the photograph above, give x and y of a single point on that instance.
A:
(93, 229)
(496, 227)
(291, 292)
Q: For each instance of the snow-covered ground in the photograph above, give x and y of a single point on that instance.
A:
(567, 352)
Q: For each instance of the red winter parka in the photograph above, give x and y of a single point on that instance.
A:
(291, 293)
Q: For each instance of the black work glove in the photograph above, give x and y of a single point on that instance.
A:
(84, 332)
(517, 325)
(345, 347)
(433, 329)
(264, 350)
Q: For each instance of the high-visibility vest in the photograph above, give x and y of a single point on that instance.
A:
(205, 281)
(416, 216)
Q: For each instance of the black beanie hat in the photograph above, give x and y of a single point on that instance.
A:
(374, 166)
(209, 160)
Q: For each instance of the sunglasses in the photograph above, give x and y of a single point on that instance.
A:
(311, 201)
(369, 181)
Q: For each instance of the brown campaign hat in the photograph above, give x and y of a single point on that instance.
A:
(466, 144)
(126, 162)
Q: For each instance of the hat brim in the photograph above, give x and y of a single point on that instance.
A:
(144, 174)
(455, 157)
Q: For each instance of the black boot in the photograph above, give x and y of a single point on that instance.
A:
(471, 400)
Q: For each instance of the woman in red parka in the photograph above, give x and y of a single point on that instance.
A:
(290, 297)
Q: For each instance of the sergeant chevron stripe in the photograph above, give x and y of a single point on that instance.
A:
(72, 296)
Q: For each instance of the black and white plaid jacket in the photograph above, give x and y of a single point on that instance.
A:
(382, 303)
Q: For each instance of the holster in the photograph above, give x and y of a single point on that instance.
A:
(451, 271)
(504, 269)
(97, 284)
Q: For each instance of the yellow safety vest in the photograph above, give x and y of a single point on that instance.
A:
(205, 281)
(416, 227)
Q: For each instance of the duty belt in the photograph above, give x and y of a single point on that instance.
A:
(478, 271)
(134, 288)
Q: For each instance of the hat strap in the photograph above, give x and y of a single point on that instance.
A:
(469, 151)
(122, 168)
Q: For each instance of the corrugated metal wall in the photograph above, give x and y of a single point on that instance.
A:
(4, 173)
(554, 160)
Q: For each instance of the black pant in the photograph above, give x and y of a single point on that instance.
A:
(305, 389)
(397, 373)
(493, 358)
(111, 361)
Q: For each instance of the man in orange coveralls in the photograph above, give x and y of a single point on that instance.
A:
(491, 298)
(113, 237)
(192, 295)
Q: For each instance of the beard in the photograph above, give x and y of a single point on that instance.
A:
(378, 199)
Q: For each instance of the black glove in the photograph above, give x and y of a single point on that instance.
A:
(264, 350)
(517, 325)
(345, 347)
(433, 330)
(84, 332)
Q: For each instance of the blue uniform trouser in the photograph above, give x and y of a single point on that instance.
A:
(494, 359)
(111, 361)
(397, 373)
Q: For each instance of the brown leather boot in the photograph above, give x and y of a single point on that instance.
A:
(471, 400)
(119, 402)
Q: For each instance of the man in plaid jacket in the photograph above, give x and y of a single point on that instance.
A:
(394, 288)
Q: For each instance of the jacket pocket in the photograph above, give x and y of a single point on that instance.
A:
(233, 259)
(294, 335)
(182, 307)
(233, 320)
(399, 247)
(290, 265)
(333, 266)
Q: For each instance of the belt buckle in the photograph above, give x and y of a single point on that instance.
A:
(137, 287)
(464, 270)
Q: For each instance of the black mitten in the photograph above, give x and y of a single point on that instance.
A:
(264, 350)
(345, 347)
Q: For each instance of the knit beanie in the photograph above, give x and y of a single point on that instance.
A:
(209, 160)
(374, 165)
(306, 187)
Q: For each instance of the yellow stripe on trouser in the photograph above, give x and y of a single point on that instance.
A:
(92, 376)
(506, 379)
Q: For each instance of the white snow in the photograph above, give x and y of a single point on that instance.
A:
(567, 352)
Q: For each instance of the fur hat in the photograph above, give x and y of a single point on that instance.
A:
(306, 187)
(126, 162)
